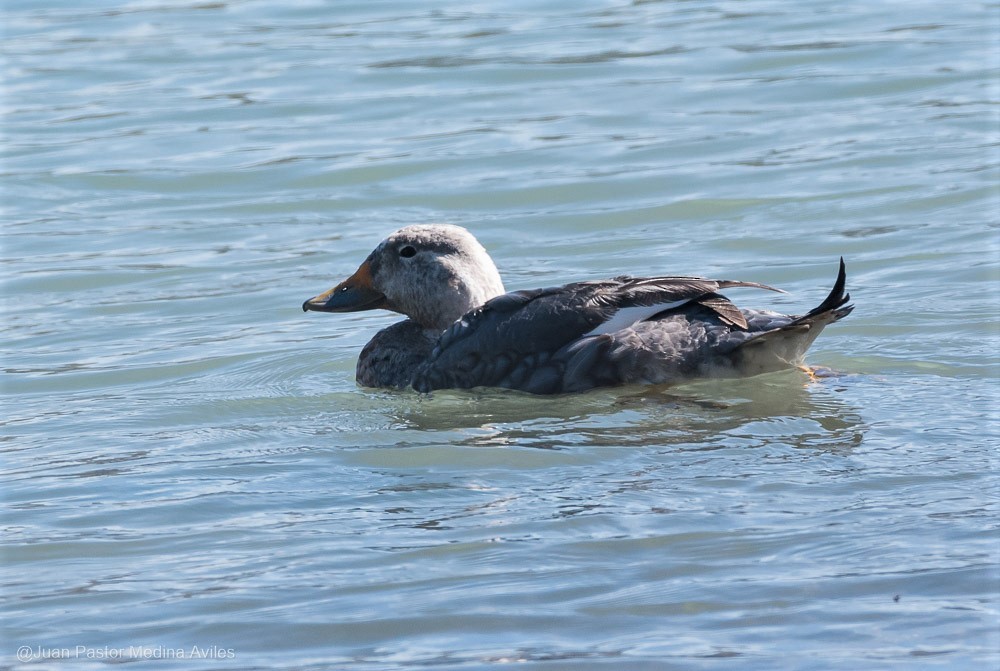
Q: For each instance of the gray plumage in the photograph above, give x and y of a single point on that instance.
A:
(391, 358)
(560, 339)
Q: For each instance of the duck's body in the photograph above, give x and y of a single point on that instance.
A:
(465, 332)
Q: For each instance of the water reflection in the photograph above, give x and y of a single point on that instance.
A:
(784, 408)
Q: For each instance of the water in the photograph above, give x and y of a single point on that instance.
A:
(190, 470)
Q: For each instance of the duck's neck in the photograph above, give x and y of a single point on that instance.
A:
(463, 291)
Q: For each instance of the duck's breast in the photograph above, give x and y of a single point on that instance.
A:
(391, 358)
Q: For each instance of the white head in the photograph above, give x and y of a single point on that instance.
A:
(431, 273)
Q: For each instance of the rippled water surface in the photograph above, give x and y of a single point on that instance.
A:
(189, 469)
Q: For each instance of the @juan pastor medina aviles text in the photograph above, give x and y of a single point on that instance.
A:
(132, 652)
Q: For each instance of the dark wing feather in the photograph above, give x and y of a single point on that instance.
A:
(512, 340)
(511, 336)
(728, 313)
(696, 289)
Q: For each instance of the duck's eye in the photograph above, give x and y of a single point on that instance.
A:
(407, 251)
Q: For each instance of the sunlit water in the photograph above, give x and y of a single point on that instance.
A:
(191, 471)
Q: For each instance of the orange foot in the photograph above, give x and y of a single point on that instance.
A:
(817, 373)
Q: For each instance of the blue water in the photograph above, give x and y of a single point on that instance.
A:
(191, 473)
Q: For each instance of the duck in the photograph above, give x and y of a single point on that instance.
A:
(464, 330)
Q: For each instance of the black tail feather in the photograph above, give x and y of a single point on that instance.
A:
(836, 301)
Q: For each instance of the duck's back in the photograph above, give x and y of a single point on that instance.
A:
(594, 334)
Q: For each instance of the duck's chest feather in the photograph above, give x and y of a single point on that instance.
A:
(391, 358)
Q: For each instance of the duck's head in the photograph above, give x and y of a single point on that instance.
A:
(432, 273)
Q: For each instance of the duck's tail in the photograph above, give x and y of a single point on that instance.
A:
(786, 345)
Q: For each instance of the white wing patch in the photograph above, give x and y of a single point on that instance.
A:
(625, 317)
